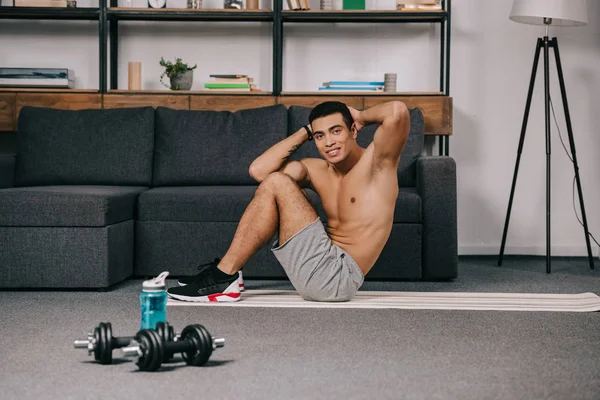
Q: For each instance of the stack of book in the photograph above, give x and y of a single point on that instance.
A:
(230, 83)
(298, 4)
(352, 86)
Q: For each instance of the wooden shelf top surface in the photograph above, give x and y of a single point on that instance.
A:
(361, 93)
(190, 92)
(219, 92)
(437, 109)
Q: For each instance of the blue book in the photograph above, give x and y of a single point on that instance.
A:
(351, 88)
(353, 83)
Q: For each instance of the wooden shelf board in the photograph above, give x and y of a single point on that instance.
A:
(189, 92)
(46, 90)
(191, 10)
(330, 93)
(407, 11)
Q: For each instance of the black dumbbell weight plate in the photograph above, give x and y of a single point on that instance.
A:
(103, 350)
(203, 345)
(151, 345)
(167, 334)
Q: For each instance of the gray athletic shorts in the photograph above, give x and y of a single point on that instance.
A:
(318, 269)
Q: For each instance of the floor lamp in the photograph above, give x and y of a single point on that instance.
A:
(546, 13)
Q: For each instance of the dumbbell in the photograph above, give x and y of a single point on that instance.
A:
(101, 342)
(195, 345)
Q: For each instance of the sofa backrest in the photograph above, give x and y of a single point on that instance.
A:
(74, 147)
(204, 147)
(298, 117)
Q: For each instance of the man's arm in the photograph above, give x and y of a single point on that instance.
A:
(276, 158)
(390, 138)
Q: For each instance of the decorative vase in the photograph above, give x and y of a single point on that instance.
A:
(326, 4)
(182, 81)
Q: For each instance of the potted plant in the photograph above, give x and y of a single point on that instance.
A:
(180, 74)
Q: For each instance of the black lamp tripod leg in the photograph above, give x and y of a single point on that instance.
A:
(548, 145)
(520, 149)
(563, 93)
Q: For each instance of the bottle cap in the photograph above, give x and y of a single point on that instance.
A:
(157, 284)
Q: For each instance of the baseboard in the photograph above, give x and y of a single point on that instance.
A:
(559, 251)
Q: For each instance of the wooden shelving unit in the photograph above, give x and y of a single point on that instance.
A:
(108, 15)
(438, 112)
(330, 93)
(190, 92)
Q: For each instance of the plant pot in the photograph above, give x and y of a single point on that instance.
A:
(182, 81)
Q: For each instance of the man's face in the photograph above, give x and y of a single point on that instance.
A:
(333, 138)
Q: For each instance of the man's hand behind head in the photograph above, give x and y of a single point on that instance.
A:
(356, 116)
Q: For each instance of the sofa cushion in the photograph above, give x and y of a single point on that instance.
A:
(67, 205)
(195, 203)
(298, 117)
(408, 207)
(85, 147)
(197, 147)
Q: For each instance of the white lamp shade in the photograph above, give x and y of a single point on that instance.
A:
(562, 12)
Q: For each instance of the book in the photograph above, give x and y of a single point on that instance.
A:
(353, 88)
(210, 85)
(353, 83)
(227, 76)
(232, 80)
(298, 4)
(231, 89)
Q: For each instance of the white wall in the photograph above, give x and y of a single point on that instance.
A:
(491, 60)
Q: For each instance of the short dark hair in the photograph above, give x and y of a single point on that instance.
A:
(331, 107)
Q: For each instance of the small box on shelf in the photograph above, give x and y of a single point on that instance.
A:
(354, 5)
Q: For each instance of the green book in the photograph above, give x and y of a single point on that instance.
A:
(226, 85)
(354, 4)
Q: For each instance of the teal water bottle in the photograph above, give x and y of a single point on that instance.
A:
(153, 301)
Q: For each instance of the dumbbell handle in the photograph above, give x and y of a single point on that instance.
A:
(116, 342)
(179, 346)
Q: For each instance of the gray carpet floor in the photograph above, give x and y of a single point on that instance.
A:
(320, 353)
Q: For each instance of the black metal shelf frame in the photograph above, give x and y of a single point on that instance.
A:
(71, 14)
(50, 13)
(278, 17)
(108, 17)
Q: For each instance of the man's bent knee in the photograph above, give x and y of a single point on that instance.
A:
(277, 180)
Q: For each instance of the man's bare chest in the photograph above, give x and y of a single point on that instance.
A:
(347, 197)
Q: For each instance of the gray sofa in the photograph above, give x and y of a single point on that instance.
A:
(93, 197)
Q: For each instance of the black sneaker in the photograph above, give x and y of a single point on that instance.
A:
(208, 289)
(202, 268)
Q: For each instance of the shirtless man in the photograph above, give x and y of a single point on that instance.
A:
(358, 188)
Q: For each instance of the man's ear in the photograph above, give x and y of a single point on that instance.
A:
(354, 130)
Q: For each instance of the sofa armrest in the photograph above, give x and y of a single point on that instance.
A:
(7, 170)
(436, 183)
